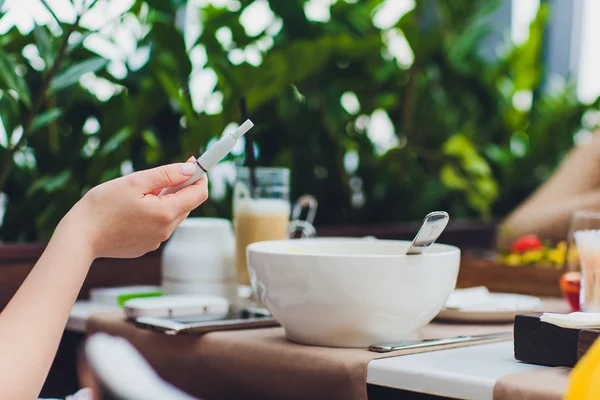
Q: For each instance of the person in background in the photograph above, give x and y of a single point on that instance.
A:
(122, 218)
(574, 186)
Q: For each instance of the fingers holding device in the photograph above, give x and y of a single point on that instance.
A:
(212, 157)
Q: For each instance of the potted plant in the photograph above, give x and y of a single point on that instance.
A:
(379, 136)
(54, 148)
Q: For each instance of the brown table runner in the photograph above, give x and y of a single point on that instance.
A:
(542, 384)
(261, 363)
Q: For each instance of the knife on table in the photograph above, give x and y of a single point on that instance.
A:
(416, 344)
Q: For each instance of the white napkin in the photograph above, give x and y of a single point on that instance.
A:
(467, 298)
(574, 320)
(480, 299)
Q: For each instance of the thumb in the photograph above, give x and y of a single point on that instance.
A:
(164, 176)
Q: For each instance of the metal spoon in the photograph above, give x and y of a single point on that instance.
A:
(433, 226)
(306, 226)
(310, 203)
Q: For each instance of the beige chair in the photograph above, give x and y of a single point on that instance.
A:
(121, 373)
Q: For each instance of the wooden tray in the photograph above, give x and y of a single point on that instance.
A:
(481, 269)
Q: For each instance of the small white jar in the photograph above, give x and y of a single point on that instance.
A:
(199, 259)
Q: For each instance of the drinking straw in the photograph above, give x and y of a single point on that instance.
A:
(250, 160)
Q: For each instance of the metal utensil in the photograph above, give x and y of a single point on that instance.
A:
(415, 344)
(306, 226)
(307, 230)
(310, 203)
(433, 226)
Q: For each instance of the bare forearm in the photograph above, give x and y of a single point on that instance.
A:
(33, 322)
(574, 186)
(122, 218)
(549, 221)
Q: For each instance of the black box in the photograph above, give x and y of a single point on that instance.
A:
(541, 343)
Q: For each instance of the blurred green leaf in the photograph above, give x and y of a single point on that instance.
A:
(292, 12)
(12, 80)
(519, 144)
(496, 154)
(78, 41)
(92, 4)
(116, 141)
(74, 73)
(466, 46)
(161, 5)
(452, 178)
(44, 44)
(524, 63)
(171, 88)
(45, 3)
(44, 119)
(238, 32)
(295, 63)
(479, 203)
(487, 188)
(475, 179)
(50, 183)
(476, 165)
(424, 44)
(10, 113)
(458, 145)
(110, 173)
(153, 151)
(168, 51)
(151, 139)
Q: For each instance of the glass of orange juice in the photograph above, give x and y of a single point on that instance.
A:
(259, 214)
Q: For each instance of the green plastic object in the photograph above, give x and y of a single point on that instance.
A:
(124, 297)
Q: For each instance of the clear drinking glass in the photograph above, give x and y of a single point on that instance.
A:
(265, 215)
(584, 238)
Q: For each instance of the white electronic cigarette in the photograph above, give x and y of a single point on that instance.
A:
(212, 156)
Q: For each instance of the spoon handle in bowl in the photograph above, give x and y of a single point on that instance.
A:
(433, 226)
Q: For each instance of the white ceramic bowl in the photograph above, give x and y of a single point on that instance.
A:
(351, 292)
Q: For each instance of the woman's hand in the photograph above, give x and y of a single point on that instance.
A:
(122, 218)
(126, 218)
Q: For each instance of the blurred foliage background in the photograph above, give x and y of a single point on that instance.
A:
(376, 135)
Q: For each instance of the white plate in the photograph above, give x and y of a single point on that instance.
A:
(499, 307)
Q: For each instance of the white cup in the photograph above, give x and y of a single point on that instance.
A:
(199, 259)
